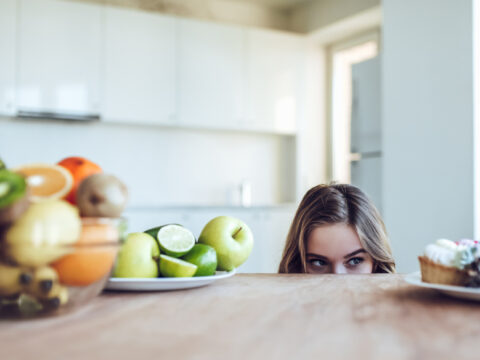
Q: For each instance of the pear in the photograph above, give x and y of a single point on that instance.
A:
(42, 234)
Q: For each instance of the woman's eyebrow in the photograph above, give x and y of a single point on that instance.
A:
(359, 251)
(317, 256)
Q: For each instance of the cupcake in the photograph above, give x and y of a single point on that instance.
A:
(446, 262)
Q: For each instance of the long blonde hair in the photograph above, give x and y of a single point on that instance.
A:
(333, 204)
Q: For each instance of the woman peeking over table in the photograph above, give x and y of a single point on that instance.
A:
(337, 230)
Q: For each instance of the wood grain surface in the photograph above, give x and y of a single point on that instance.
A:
(259, 317)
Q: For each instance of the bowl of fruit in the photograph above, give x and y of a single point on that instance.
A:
(60, 232)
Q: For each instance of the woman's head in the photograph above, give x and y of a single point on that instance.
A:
(337, 229)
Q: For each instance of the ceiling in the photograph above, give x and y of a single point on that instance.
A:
(277, 4)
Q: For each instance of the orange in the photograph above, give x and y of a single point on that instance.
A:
(80, 168)
(93, 256)
(46, 181)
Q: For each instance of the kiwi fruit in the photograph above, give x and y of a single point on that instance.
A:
(13, 196)
(101, 195)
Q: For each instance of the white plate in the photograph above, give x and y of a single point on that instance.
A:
(455, 291)
(162, 284)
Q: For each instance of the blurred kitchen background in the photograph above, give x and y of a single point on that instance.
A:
(237, 107)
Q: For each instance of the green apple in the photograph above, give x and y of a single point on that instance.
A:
(231, 238)
(138, 257)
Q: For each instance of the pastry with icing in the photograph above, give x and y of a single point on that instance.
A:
(447, 262)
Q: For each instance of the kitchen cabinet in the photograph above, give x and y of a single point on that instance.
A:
(136, 67)
(59, 57)
(139, 83)
(275, 65)
(210, 69)
(7, 60)
(270, 228)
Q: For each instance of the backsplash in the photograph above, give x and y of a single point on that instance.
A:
(163, 166)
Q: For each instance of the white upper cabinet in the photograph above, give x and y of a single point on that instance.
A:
(76, 59)
(210, 73)
(59, 57)
(275, 65)
(139, 84)
(7, 58)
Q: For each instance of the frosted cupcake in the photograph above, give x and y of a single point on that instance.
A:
(446, 262)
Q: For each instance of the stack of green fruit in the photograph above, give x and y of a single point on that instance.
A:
(173, 251)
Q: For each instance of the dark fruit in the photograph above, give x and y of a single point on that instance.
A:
(101, 195)
(25, 278)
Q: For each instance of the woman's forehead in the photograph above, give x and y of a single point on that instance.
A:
(333, 240)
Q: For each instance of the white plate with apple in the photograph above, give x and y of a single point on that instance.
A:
(164, 284)
(140, 261)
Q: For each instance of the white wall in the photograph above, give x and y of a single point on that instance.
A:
(163, 166)
(312, 133)
(428, 124)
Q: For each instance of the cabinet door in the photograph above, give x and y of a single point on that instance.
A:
(270, 228)
(7, 60)
(275, 67)
(211, 58)
(139, 67)
(139, 220)
(59, 56)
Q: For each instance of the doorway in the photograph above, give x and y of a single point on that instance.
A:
(354, 113)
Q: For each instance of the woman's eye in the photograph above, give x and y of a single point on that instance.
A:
(318, 262)
(355, 261)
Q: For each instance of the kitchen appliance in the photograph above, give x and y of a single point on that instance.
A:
(366, 129)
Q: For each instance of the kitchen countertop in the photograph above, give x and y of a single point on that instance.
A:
(257, 316)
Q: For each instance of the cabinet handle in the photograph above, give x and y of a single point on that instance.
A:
(57, 115)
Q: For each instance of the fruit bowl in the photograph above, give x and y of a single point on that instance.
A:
(55, 278)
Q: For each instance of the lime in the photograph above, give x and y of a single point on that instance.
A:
(173, 267)
(205, 257)
(13, 187)
(174, 240)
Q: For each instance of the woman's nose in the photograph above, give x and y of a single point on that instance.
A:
(339, 269)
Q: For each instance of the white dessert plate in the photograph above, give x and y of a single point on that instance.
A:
(461, 292)
(164, 284)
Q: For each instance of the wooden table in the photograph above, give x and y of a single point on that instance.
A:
(259, 317)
